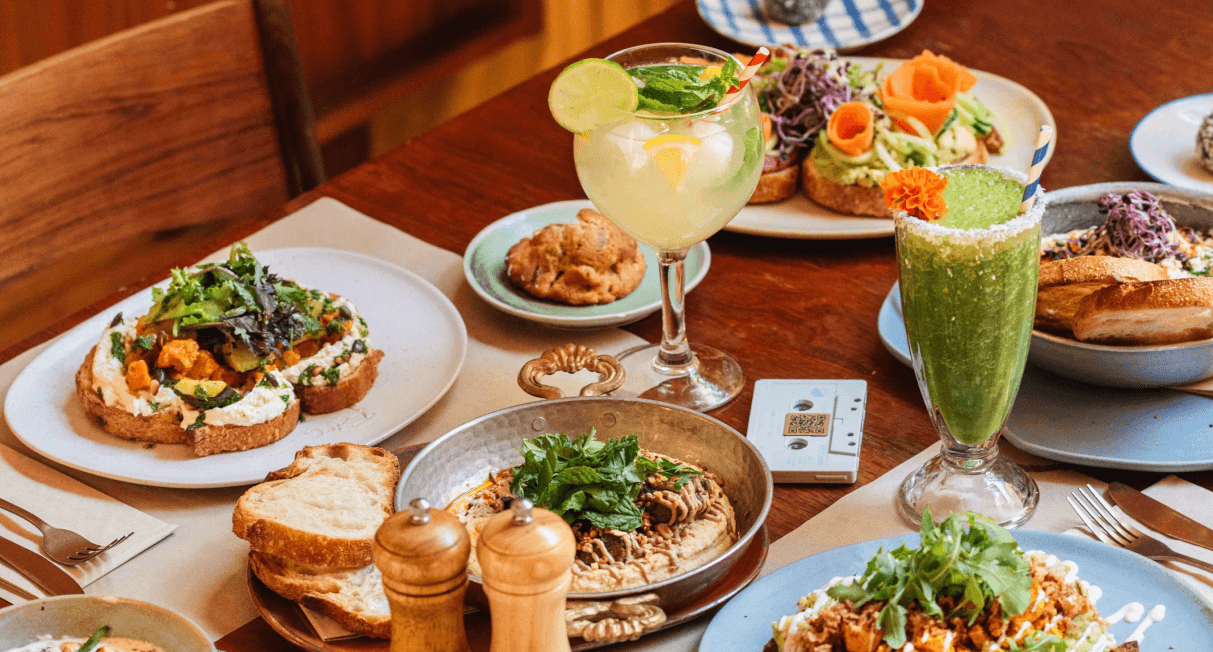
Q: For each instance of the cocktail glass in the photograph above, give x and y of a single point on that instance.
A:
(968, 297)
(671, 181)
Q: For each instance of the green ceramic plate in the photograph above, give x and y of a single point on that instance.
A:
(484, 266)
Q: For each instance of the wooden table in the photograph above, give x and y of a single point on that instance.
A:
(791, 308)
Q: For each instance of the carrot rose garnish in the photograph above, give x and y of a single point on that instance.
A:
(851, 128)
(924, 88)
(916, 191)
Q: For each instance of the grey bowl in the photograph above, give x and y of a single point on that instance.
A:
(1123, 366)
(81, 615)
(462, 458)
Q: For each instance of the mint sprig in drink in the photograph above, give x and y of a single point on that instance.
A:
(667, 140)
(968, 289)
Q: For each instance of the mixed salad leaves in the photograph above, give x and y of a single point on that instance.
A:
(584, 479)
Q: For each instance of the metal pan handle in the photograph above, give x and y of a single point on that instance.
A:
(625, 619)
(571, 358)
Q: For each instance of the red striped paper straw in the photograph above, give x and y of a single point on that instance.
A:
(755, 63)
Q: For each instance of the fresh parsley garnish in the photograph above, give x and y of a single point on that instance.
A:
(154, 405)
(285, 398)
(334, 327)
(307, 374)
(118, 347)
(198, 423)
(584, 479)
(974, 565)
(1039, 642)
(332, 374)
(677, 88)
(100, 393)
(145, 342)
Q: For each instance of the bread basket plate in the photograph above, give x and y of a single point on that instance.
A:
(484, 266)
(1123, 366)
(1020, 114)
(1060, 419)
(1164, 143)
(744, 624)
(420, 332)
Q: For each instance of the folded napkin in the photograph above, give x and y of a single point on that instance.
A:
(1202, 387)
(1193, 501)
(67, 503)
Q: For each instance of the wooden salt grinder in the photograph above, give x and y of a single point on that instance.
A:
(526, 556)
(423, 555)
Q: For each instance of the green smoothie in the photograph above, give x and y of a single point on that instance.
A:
(968, 291)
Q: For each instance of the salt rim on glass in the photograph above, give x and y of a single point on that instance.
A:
(938, 234)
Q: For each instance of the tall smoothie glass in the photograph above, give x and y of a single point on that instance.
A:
(671, 180)
(968, 293)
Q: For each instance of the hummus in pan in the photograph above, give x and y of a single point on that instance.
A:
(638, 517)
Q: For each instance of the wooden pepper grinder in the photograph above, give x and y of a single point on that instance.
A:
(526, 556)
(423, 555)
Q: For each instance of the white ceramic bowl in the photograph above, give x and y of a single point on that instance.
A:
(1123, 366)
(81, 615)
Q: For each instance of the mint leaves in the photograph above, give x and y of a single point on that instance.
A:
(677, 88)
(583, 479)
(975, 565)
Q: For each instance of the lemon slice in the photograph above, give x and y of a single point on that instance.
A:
(672, 154)
(591, 93)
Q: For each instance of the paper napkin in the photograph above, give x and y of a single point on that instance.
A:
(65, 502)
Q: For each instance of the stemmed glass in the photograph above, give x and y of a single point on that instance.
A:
(671, 181)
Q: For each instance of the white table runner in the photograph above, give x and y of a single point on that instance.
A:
(199, 571)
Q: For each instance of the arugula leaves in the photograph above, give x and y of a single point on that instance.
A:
(583, 479)
(975, 565)
(1039, 642)
(677, 88)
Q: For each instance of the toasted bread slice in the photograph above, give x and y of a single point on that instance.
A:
(777, 185)
(1065, 283)
(161, 428)
(324, 508)
(1150, 312)
(209, 440)
(322, 399)
(354, 597)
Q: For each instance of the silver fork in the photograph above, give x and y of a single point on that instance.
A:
(63, 546)
(1111, 529)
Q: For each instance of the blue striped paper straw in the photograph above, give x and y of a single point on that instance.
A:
(1038, 165)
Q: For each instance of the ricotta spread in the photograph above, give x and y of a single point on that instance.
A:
(325, 357)
(259, 405)
(110, 380)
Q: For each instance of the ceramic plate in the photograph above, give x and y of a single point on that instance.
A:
(81, 615)
(1164, 143)
(420, 332)
(1060, 419)
(1020, 113)
(484, 266)
(845, 26)
(744, 624)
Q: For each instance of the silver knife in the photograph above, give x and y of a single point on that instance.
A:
(38, 569)
(1160, 517)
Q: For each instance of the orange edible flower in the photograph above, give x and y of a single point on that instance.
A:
(916, 191)
(925, 88)
(851, 128)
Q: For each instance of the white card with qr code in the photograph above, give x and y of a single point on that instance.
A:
(809, 430)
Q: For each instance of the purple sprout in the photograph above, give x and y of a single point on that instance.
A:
(1137, 226)
(802, 96)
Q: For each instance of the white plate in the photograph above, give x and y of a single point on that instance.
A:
(846, 25)
(1164, 143)
(1019, 114)
(418, 329)
(484, 267)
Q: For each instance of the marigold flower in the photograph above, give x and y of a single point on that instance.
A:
(916, 191)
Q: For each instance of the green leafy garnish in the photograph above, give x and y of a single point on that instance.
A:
(974, 565)
(677, 88)
(94, 640)
(307, 374)
(332, 374)
(1039, 642)
(154, 405)
(285, 398)
(145, 342)
(118, 347)
(198, 423)
(584, 479)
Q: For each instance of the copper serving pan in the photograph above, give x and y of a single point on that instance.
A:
(465, 456)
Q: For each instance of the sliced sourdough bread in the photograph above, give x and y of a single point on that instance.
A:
(322, 399)
(1150, 312)
(161, 428)
(324, 508)
(209, 440)
(354, 597)
(779, 181)
(1064, 284)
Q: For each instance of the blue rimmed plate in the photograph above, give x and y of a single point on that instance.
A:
(744, 624)
(484, 267)
(846, 25)
(1164, 143)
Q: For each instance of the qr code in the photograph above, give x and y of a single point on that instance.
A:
(812, 425)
